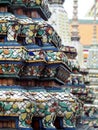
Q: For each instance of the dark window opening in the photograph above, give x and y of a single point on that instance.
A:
(21, 39)
(3, 8)
(7, 124)
(36, 123)
(19, 11)
(58, 123)
(3, 38)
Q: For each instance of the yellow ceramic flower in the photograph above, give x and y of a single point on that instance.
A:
(38, 2)
(16, 27)
(30, 33)
(31, 27)
(23, 116)
(68, 114)
(4, 28)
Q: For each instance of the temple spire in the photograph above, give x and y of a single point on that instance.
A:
(75, 38)
(75, 33)
(94, 40)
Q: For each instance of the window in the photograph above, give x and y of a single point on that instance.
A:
(2, 38)
(3, 9)
(19, 11)
(35, 14)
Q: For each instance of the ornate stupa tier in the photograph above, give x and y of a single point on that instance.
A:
(70, 52)
(26, 31)
(11, 59)
(5, 2)
(27, 7)
(85, 94)
(34, 43)
(47, 65)
(56, 1)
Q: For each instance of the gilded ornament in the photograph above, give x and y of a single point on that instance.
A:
(4, 28)
(15, 106)
(73, 109)
(48, 118)
(28, 105)
(28, 110)
(33, 110)
(41, 106)
(16, 27)
(29, 41)
(23, 116)
(38, 2)
(68, 114)
(30, 33)
(32, 27)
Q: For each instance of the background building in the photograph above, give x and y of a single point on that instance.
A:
(59, 20)
(92, 62)
(85, 30)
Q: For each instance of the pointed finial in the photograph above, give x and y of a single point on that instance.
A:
(75, 33)
(94, 40)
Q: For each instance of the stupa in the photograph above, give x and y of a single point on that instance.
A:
(33, 67)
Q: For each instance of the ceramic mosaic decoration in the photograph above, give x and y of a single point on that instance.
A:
(34, 68)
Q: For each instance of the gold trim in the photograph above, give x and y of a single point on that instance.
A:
(9, 114)
(3, 33)
(42, 100)
(10, 59)
(11, 47)
(53, 62)
(35, 61)
(11, 100)
(71, 100)
(3, 21)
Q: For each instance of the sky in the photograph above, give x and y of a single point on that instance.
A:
(83, 7)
